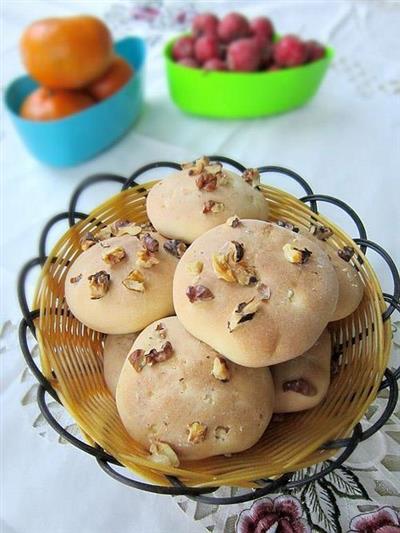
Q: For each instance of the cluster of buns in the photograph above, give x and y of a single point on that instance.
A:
(216, 318)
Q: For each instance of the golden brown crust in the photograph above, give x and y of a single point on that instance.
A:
(300, 304)
(121, 309)
(181, 402)
(175, 204)
(116, 349)
(309, 373)
(351, 288)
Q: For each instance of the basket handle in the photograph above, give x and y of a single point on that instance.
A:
(131, 181)
(21, 286)
(395, 297)
(296, 177)
(342, 205)
(23, 341)
(95, 451)
(50, 224)
(88, 182)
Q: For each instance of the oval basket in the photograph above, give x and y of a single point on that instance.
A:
(71, 357)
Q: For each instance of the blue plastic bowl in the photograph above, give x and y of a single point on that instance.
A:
(72, 140)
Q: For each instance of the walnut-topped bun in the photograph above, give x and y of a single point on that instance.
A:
(121, 284)
(202, 195)
(257, 293)
(182, 400)
(116, 349)
(303, 382)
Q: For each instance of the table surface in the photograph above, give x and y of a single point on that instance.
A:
(345, 143)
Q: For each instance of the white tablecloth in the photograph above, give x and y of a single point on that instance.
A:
(345, 143)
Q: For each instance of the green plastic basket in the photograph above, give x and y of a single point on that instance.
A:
(242, 94)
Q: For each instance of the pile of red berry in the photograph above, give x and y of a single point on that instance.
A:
(235, 43)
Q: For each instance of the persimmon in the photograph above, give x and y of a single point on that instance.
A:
(51, 104)
(66, 53)
(117, 75)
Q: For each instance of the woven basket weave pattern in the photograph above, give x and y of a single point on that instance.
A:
(71, 359)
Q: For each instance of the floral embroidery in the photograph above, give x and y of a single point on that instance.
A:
(280, 515)
(383, 520)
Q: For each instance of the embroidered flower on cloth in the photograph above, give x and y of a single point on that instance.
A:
(384, 520)
(280, 515)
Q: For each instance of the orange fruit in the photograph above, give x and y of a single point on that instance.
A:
(49, 104)
(117, 75)
(66, 53)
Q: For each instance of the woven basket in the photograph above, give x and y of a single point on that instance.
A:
(72, 361)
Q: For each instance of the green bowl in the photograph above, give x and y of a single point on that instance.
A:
(242, 94)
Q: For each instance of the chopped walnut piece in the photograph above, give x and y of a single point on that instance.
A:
(243, 312)
(222, 178)
(76, 279)
(220, 369)
(124, 227)
(221, 432)
(197, 166)
(320, 232)
(161, 330)
(236, 250)
(145, 259)
(134, 281)
(148, 226)
(231, 268)
(346, 253)
(87, 241)
(295, 255)
(196, 267)
(222, 268)
(206, 181)
(103, 233)
(234, 222)
(196, 432)
(158, 356)
(252, 177)
(287, 225)
(175, 247)
(302, 386)
(151, 244)
(245, 274)
(99, 283)
(137, 359)
(197, 293)
(264, 291)
(213, 207)
(114, 256)
(162, 453)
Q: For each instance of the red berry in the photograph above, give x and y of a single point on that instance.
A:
(207, 47)
(183, 47)
(315, 50)
(205, 24)
(233, 26)
(262, 28)
(244, 55)
(215, 64)
(266, 51)
(290, 51)
(189, 62)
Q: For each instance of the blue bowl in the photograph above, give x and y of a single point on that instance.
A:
(74, 139)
